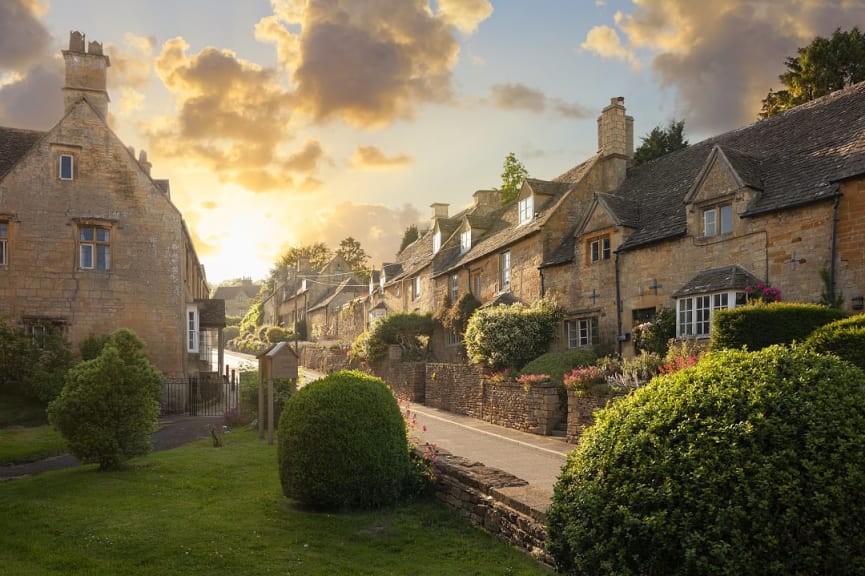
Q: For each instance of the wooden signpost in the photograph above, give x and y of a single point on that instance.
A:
(278, 361)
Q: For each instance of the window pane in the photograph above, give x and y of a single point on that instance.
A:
(102, 234)
(595, 251)
(709, 222)
(103, 255)
(65, 167)
(702, 315)
(4, 230)
(86, 234)
(2, 251)
(726, 219)
(87, 256)
(606, 249)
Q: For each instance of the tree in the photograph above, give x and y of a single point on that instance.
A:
(821, 67)
(356, 257)
(513, 175)
(410, 235)
(317, 253)
(110, 405)
(659, 142)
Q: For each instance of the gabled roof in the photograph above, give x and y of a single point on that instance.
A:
(794, 158)
(350, 284)
(232, 292)
(623, 211)
(14, 144)
(717, 280)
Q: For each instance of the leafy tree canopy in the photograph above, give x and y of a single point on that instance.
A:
(318, 254)
(513, 175)
(410, 235)
(661, 141)
(821, 67)
(354, 255)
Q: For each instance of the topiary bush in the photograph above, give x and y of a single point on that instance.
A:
(343, 444)
(557, 364)
(511, 336)
(748, 463)
(109, 405)
(843, 338)
(761, 325)
(410, 330)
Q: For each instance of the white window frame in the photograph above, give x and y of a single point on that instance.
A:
(581, 333)
(455, 287)
(477, 277)
(695, 314)
(505, 267)
(4, 242)
(526, 209)
(192, 329)
(60, 170)
(94, 253)
(452, 338)
(437, 241)
(465, 240)
(718, 220)
(415, 288)
(599, 249)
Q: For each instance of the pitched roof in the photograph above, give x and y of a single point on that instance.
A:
(232, 292)
(14, 144)
(717, 280)
(794, 158)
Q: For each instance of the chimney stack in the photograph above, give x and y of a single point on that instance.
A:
(86, 74)
(616, 130)
(144, 163)
(487, 201)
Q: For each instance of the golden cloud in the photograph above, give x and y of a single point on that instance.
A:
(605, 42)
(518, 96)
(368, 63)
(24, 40)
(130, 71)
(372, 158)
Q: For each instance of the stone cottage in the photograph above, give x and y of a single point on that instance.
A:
(90, 242)
(237, 298)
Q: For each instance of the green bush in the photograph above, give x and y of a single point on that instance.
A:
(343, 444)
(747, 463)
(275, 334)
(762, 325)
(26, 369)
(109, 405)
(843, 338)
(654, 337)
(557, 364)
(230, 332)
(511, 336)
(91, 346)
(411, 331)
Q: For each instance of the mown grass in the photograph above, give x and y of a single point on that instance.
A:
(204, 510)
(28, 444)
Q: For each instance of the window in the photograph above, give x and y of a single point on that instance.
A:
(694, 314)
(192, 329)
(43, 331)
(452, 337)
(437, 241)
(455, 287)
(506, 269)
(599, 249)
(415, 288)
(66, 166)
(94, 247)
(4, 238)
(465, 240)
(478, 284)
(581, 333)
(718, 220)
(526, 207)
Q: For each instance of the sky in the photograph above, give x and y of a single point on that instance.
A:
(287, 122)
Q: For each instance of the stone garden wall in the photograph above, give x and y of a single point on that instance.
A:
(534, 409)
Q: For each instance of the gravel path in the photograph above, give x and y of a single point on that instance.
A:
(173, 431)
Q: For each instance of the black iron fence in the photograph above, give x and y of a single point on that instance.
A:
(208, 394)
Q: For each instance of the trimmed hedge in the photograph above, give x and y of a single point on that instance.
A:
(410, 330)
(843, 338)
(747, 463)
(762, 325)
(557, 364)
(343, 443)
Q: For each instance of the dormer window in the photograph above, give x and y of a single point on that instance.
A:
(599, 249)
(526, 208)
(437, 241)
(466, 240)
(718, 220)
(66, 168)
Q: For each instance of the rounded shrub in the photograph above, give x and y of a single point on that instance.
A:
(843, 338)
(747, 463)
(761, 325)
(343, 444)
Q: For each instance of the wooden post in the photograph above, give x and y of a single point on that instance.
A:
(260, 403)
(270, 411)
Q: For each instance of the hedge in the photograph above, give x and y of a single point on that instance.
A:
(761, 325)
(843, 338)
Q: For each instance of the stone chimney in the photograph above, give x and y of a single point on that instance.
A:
(86, 74)
(144, 163)
(487, 201)
(439, 210)
(616, 130)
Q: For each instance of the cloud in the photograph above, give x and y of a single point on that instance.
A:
(372, 158)
(721, 57)
(605, 42)
(130, 71)
(233, 116)
(368, 64)
(24, 40)
(520, 97)
(35, 100)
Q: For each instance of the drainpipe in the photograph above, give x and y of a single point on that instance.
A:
(834, 249)
(618, 309)
(543, 288)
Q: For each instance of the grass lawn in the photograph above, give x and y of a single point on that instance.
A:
(204, 510)
(29, 444)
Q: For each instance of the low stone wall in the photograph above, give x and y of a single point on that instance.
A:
(532, 409)
(502, 504)
(325, 359)
(581, 413)
(456, 388)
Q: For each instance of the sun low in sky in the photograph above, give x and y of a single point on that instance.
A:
(290, 122)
